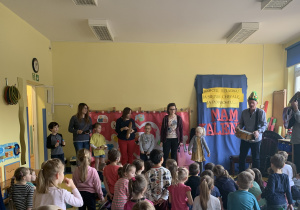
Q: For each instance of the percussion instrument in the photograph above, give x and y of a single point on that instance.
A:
(245, 135)
(129, 130)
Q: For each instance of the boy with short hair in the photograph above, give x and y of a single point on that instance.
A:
(209, 166)
(242, 199)
(55, 142)
(146, 142)
(194, 180)
(278, 186)
(159, 179)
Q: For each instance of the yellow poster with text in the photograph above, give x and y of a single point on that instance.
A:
(219, 97)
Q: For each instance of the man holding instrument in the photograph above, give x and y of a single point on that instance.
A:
(254, 121)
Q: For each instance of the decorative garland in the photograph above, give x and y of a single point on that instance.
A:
(11, 95)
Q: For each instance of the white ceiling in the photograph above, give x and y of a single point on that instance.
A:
(160, 21)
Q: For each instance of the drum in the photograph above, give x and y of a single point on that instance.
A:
(245, 135)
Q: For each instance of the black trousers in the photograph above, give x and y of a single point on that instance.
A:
(89, 200)
(170, 144)
(297, 156)
(244, 149)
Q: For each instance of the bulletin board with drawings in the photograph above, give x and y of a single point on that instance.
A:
(10, 169)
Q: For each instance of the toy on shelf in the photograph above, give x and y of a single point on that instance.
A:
(9, 151)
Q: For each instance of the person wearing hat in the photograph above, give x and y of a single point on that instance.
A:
(252, 120)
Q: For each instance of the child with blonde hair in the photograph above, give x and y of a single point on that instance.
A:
(172, 166)
(206, 201)
(87, 180)
(22, 193)
(197, 146)
(180, 194)
(143, 205)
(99, 145)
(121, 187)
(224, 183)
(47, 190)
(137, 186)
(255, 189)
(242, 199)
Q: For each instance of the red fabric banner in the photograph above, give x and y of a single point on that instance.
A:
(108, 123)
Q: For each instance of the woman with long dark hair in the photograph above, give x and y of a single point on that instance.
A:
(81, 127)
(125, 127)
(171, 132)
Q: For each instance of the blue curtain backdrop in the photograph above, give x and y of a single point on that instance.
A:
(221, 146)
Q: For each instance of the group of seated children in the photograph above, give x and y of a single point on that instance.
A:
(149, 185)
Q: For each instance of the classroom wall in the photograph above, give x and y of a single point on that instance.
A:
(19, 44)
(106, 75)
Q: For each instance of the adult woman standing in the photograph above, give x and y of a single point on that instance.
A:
(171, 132)
(295, 140)
(126, 138)
(81, 127)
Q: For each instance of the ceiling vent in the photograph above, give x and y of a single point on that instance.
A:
(101, 30)
(86, 2)
(242, 32)
(274, 4)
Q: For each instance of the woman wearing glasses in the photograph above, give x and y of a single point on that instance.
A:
(171, 132)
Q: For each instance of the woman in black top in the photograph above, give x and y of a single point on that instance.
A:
(126, 143)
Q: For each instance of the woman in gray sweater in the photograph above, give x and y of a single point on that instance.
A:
(81, 127)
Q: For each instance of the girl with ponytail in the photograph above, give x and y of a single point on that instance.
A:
(205, 201)
(22, 192)
(179, 193)
(137, 186)
(87, 180)
(47, 190)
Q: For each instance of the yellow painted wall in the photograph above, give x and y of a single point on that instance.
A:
(19, 44)
(106, 75)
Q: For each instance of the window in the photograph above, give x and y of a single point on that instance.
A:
(297, 78)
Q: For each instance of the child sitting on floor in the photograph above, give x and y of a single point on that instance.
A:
(242, 199)
(137, 186)
(205, 200)
(159, 179)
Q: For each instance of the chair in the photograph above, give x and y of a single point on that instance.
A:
(268, 147)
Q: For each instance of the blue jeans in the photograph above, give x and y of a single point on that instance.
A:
(244, 149)
(61, 157)
(79, 145)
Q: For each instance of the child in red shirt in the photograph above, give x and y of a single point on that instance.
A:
(110, 172)
(180, 194)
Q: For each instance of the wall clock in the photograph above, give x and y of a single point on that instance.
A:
(35, 65)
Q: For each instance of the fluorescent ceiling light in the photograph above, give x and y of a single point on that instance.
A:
(101, 30)
(86, 2)
(242, 32)
(274, 4)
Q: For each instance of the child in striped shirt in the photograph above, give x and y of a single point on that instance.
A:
(22, 193)
(121, 187)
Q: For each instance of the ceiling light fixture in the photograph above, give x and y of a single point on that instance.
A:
(101, 30)
(86, 2)
(242, 32)
(274, 4)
